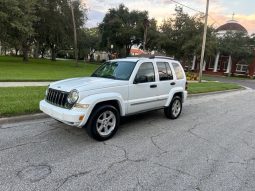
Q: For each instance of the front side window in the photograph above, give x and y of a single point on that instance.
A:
(119, 70)
(164, 71)
(145, 73)
(178, 71)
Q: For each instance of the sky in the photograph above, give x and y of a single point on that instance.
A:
(220, 11)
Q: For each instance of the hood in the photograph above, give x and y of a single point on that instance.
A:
(85, 84)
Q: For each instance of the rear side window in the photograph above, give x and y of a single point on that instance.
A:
(164, 71)
(178, 71)
(145, 73)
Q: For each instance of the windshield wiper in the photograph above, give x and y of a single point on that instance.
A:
(109, 76)
(94, 75)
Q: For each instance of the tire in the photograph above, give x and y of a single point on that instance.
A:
(103, 123)
(172, 113)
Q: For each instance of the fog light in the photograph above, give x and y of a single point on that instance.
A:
(81, 117)
(84, 106)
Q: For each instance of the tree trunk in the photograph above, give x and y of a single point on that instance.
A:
(53, 54)
(5, 51)
(128, 50)
(25, 49)
(42, 53)
(36, 50)
(16, 51)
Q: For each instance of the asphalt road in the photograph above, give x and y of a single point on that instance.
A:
(242, 81)
(210, 147)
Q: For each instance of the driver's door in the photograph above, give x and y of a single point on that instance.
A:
(143, 89)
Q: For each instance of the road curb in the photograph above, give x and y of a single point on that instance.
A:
(219, 92)
(44, 116)
(22, 118)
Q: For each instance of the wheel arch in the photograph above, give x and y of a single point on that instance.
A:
(175, 92)
(115, 103)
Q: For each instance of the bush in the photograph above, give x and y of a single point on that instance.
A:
(192, 76)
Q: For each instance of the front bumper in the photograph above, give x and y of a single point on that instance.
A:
(68, 116)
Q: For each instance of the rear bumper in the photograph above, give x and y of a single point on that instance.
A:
(185, 95)
(67, 116)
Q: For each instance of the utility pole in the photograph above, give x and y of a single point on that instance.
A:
(74, 34)
(146, 24)
(203, 44)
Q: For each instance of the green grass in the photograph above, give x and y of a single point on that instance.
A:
(213, 78)
(205, 87)
(14, 69)
(20, 100)
(25, 100)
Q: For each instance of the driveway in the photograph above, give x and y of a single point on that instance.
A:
(244, 82)
(210, 147)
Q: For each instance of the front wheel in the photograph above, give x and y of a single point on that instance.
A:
(103, 123)
(174, 110)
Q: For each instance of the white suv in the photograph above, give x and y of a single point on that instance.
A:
(117, 88)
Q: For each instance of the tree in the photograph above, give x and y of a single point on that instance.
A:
(122, 28)
(54, 29)
(17, 18)
(235, 44)
(181, 36)
(89, 39)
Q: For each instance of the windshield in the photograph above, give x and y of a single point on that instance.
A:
(119, 70)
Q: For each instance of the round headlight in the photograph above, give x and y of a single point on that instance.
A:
(73, 96)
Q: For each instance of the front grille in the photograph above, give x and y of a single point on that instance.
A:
(58, 98)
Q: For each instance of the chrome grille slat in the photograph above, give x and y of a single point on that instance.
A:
(52, 95)
(58, 98)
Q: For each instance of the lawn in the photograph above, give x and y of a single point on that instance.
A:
(14, 69)
(25, 100)
(20, 100)
(205, 87)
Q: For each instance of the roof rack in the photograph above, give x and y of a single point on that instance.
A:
(163, 57)
(151, 56)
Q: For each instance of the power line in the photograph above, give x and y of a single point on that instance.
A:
(187, 6)
(195, 10)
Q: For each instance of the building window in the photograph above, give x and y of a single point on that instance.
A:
(241, 68)
(225, 66)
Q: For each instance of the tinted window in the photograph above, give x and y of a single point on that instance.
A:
(120, 70)
(164, 71)
(178, 71)
(145, 73)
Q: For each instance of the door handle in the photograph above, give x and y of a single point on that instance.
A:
(172, 83)
(153, 86)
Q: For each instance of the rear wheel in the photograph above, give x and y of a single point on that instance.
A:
(174, 110)
(103, 123)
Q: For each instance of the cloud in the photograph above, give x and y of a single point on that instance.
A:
(220, 10)
(94, 18)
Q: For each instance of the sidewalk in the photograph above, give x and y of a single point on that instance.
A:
(22, 84)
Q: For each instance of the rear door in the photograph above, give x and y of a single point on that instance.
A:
(143, 88)
(166, 81)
